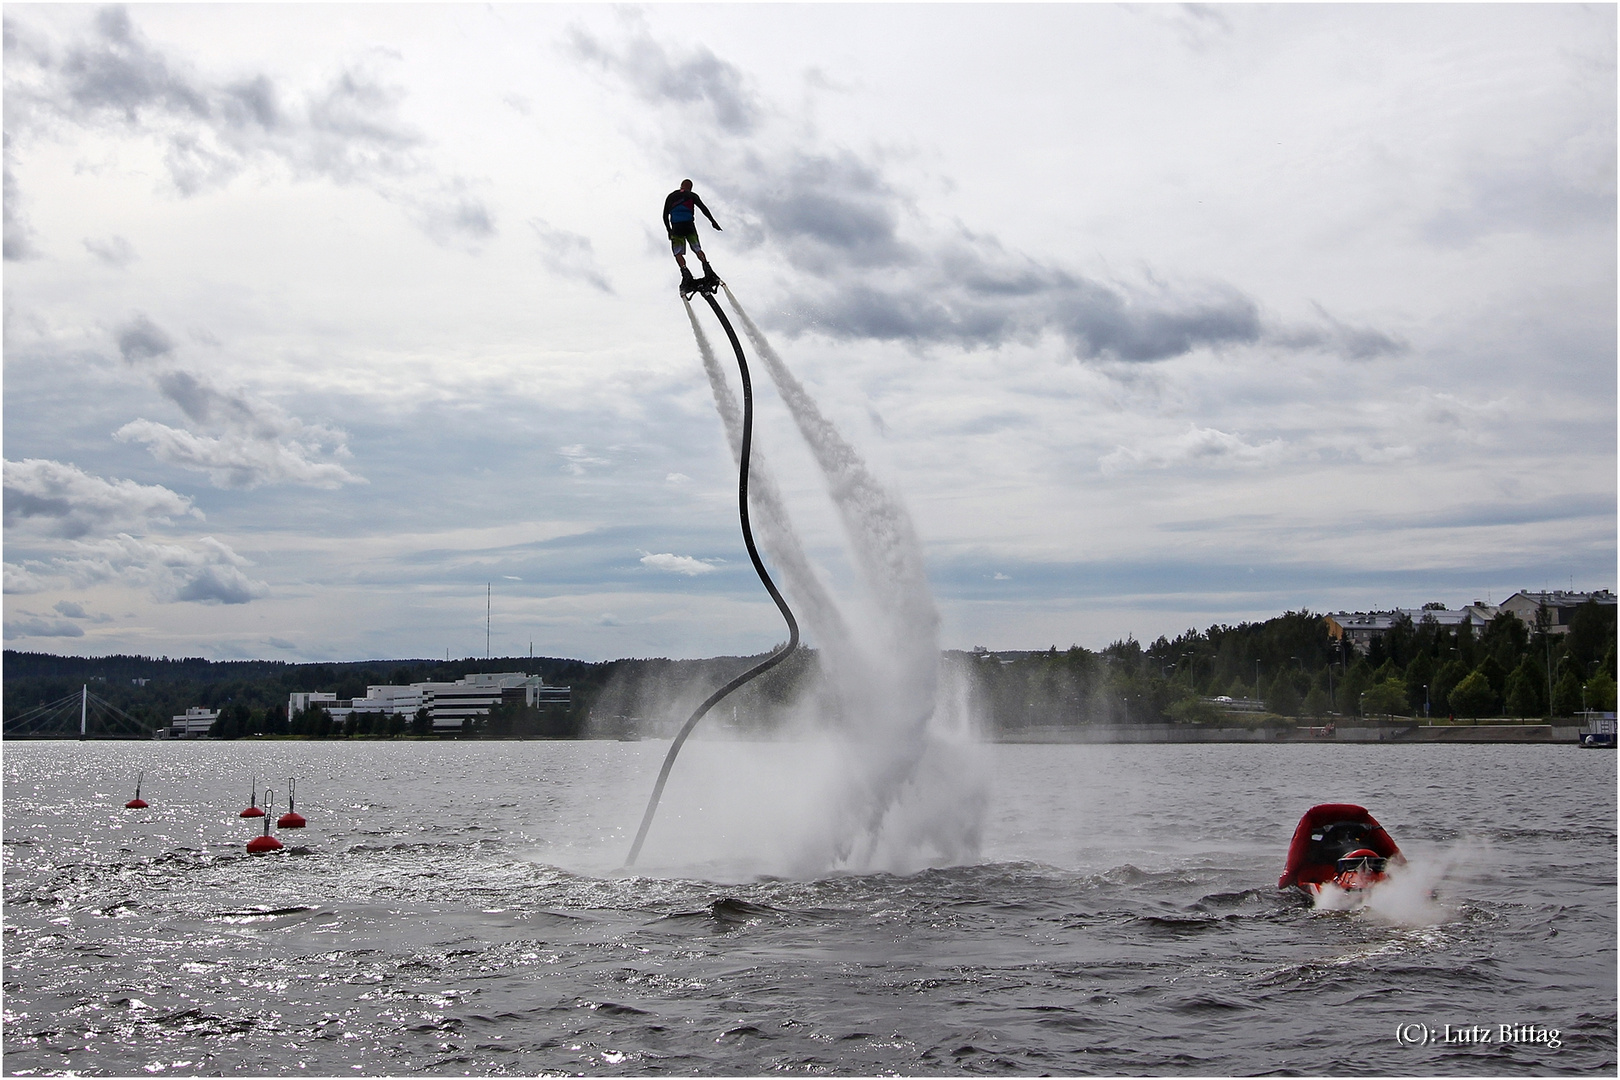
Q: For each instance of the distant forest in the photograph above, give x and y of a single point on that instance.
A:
(1288, 667)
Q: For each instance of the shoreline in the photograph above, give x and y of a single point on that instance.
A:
(1409, 732)
(1394, 732)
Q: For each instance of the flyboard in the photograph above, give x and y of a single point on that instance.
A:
(705, 287)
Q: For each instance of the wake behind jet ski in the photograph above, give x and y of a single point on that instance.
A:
(1338, 844)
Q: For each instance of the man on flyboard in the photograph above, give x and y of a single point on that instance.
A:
(681, 223)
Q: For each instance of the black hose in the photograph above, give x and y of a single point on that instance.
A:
(753, 553)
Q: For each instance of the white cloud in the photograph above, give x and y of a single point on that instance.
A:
(70, 609)
(114, 250)
(237, 459)
(569, 255)
(35, 626)
(579, 459)
(207, 571)
(874, 267)
(20, 581)
(677, 564)
(54, 498)
(258, 443)
(19, 234)
(109, 77)
(1204, 447)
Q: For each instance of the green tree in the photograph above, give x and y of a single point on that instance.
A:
(1194, 710)
(1505, 639)
(313, 722)
(1600, 692)
(1495, 673)
(1400, 640)
(1282, 698)
(1523, 690)
(1473, 697)
(235, 720)
(1316, 702)
(422, 722)
(1467, 645)
(1419, 677)
(1526, 689)
(502, 722)
(1450, 674)
(1356, 681)
(1566, 700)
(1387, 698)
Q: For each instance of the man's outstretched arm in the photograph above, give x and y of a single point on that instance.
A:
(698, 202)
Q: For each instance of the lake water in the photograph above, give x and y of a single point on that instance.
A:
(459, 908)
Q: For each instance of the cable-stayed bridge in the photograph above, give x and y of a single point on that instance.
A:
(76, 716)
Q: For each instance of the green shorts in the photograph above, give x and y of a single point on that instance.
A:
(682, 233)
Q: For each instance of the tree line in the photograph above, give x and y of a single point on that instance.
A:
(1418, 667)
(1290, 664)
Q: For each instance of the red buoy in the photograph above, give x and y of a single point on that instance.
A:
(137, 803)
(291, 819)
(253, 802)
(264, 843)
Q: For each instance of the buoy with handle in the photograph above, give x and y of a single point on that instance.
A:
(292, 819)
(264, 843)
(137, 803)
(253, 802)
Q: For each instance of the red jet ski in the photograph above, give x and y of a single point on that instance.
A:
(1338, 844)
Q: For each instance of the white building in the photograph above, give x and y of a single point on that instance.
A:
(298, 702)
(449, 703)
(194, 723)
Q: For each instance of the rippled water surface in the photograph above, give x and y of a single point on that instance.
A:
(458, 908)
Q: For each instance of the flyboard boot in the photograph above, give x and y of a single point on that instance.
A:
(709, 282)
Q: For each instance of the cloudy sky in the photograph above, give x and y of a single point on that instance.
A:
(321, 320)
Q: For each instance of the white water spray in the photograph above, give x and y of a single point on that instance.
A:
(1410, 893)
(909, 789)
(776, 532)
